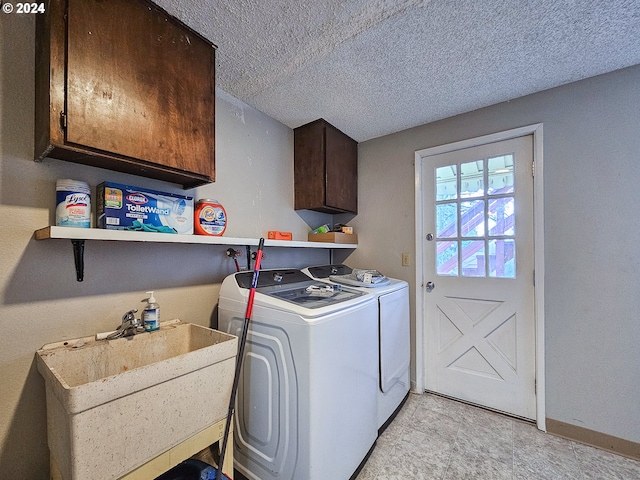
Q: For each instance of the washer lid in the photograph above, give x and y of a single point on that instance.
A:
(310, 294)
(349, 280)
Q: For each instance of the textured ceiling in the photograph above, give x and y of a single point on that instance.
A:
(373, 67)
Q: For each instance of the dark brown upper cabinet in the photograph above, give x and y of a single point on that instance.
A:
(325, 169)
(122, 85)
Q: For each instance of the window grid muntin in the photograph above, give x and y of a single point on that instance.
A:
(486, 197)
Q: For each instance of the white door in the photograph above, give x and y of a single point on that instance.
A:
(478, 275)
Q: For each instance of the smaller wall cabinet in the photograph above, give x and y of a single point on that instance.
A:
(124, 86)
(325, 169)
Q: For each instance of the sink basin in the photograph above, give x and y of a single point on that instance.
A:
(113, 405)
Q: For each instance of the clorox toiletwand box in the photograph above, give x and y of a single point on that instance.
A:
(125, 207)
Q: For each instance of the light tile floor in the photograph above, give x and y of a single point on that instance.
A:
(434, 438)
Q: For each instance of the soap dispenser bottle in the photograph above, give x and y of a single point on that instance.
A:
(151, 314)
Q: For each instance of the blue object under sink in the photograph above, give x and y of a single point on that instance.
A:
(191, 469)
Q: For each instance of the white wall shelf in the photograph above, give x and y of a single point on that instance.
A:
(79, 235)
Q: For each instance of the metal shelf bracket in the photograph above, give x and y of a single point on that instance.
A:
(78, 258)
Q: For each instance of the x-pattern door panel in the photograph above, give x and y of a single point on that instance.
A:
(483, 345)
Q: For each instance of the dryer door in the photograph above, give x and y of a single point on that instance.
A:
(394, 337)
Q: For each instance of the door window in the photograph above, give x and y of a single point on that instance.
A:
(475, 218)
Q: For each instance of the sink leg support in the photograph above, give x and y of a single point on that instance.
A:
(78, 258)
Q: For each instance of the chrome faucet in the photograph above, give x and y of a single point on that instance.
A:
(130, 325)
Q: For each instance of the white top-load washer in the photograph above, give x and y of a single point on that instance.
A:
(306, 402)
(393, 319)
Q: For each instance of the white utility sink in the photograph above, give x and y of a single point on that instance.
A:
(113, 405)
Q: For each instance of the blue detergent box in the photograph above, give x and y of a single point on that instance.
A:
(125, 207)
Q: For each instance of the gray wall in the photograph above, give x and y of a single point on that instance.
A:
(40, 300)
(592, 230)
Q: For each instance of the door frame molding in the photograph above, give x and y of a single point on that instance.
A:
(538, 248)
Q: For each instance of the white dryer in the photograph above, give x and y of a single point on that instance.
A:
(306, 403)
(393, 320)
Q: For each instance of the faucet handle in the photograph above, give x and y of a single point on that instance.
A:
(130, 315)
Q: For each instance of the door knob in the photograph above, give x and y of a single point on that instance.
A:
(430, 286)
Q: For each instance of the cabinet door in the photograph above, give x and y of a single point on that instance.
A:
(341, 171)
(138, 85)
(309, 178)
